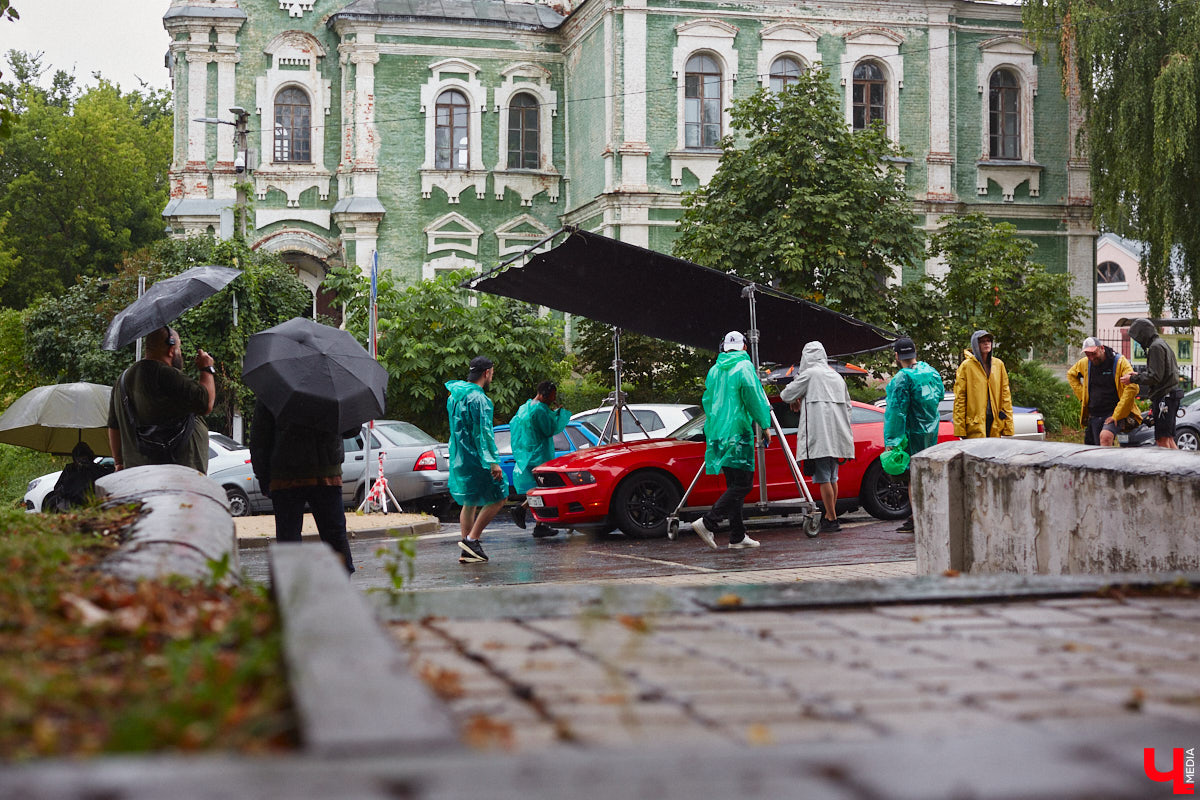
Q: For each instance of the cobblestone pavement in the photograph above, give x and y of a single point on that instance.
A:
(805, 676)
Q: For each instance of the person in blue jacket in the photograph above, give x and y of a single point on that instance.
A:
(911, 418)
(533, 431)
(477, 482)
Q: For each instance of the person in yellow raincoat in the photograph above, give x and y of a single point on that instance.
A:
(982, 401)
(533, 431)
(1105, 405)
(477, 482)
(733, 401)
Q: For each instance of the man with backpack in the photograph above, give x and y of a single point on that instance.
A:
(155, 415)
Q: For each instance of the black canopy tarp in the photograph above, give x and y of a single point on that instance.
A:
(672, 299)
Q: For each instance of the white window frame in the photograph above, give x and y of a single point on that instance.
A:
(712, 37)
(882, 46)
(786, 39)
(454, 181)
(533, 80)
(1016, 55)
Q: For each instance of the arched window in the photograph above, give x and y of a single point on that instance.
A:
(870, 93)
(293, 126)
(1110, 272)
(451, 133)
(702, 102)
(1004, 117)
(784, 72)
(523, 142)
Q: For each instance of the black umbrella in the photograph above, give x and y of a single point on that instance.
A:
(314, 376)
(165, 301)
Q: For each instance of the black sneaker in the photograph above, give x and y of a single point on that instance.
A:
(541, 531)
(518, 515)
(472, 552)
(830, 525)
(908, 526)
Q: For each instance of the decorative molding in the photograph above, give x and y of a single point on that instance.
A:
(786, 39)
(450, 263)
(712, 37)
(296, 8)
(536, 81)
(454, 181)
(1015, 54)
(519, 233)
(1008, 175)
(701, 163)
(269, 216)
(881, 45)
(448, 231)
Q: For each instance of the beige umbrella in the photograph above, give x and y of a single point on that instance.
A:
(55, 418)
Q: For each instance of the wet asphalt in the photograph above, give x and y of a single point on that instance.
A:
(516, 558)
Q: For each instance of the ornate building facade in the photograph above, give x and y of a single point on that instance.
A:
(453, 133)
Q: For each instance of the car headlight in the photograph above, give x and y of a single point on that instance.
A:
(581, 477)
(33, 484)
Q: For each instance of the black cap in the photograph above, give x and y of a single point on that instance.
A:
(481, 363)
(905, 348)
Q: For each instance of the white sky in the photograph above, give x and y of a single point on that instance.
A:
(123, 40)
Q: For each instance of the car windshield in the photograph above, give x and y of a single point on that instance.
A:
(405, 433)
(225, 442)
(503, 442)
(693, 429)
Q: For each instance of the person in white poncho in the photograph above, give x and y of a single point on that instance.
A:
(823, 433)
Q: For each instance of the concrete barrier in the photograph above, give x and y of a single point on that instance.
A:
(185, 524)
(999, 505)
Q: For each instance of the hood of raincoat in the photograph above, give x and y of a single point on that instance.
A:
(1142, 331)
(975, 337)
(729, 360)
(814, 356)
(460, 389)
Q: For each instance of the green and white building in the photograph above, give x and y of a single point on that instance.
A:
(453, 133)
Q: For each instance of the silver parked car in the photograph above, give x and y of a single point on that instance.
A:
(414, 463)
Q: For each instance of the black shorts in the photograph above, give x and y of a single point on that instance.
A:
(1094, 426)
(1165, 414)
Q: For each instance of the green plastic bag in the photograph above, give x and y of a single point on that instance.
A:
(895, 461)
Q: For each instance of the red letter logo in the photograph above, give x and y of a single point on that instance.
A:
(1176, 775)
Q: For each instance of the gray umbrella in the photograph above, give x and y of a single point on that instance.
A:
(165, 301)
(55, 418)
(314, 376)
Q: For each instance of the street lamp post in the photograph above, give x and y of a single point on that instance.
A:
(241, 166)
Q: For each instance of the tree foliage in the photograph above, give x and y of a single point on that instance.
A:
(429, 332)
(83, 180)
(805, 204)
(1138, 67)
(991, 283)
(64, 333)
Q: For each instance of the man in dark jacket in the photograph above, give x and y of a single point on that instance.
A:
(1159, 380)
(298, 466)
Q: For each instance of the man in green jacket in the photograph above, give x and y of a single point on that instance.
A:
(733, 401)
(476, 480)
(532, 434)
(911, 418)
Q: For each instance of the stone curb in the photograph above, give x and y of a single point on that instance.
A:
(352, 686)
(415, 529)
(184, 525)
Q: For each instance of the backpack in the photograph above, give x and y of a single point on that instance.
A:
(159, 443)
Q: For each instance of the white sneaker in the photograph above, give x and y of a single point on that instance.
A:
(704, 533)
(746, 542)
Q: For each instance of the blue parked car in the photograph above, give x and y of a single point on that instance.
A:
(576, 436)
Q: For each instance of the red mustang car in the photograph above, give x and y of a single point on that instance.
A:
(635, 486)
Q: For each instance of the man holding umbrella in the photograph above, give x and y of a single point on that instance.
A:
(154, 391)
(477, 482)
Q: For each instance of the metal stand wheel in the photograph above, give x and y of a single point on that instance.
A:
(672, 527)
(812, 524)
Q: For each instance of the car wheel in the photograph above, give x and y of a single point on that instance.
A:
(239, 503)
(884, 496)
(642, 502)
(1187, 439)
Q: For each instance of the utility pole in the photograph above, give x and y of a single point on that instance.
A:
(241, 119)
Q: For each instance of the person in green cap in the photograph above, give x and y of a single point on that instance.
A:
(533, 431)
(476, 480)
(911, 418)
(733, 401)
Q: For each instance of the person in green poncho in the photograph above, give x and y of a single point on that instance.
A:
(533, 430)
(911, 418)
(476, 480)
(733, 401)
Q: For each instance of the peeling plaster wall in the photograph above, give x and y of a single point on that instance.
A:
(994, 505)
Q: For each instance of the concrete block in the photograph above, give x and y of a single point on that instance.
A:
(353, 690)
(184, 524)
(999, 505)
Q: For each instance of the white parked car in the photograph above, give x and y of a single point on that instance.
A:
(1028, 423)
(223, 453)
(641, 420)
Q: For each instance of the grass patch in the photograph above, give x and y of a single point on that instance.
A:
(90, 664)
(20, 465)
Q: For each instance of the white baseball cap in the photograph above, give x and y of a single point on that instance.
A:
(733, 341)
(1091, 345)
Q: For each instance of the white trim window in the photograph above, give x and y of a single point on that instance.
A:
(453, 102)
(527, 105)
(1007, 79)
(704, 66)
(703, 103)
(874, 78)
(293, 126)
(785, 47)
